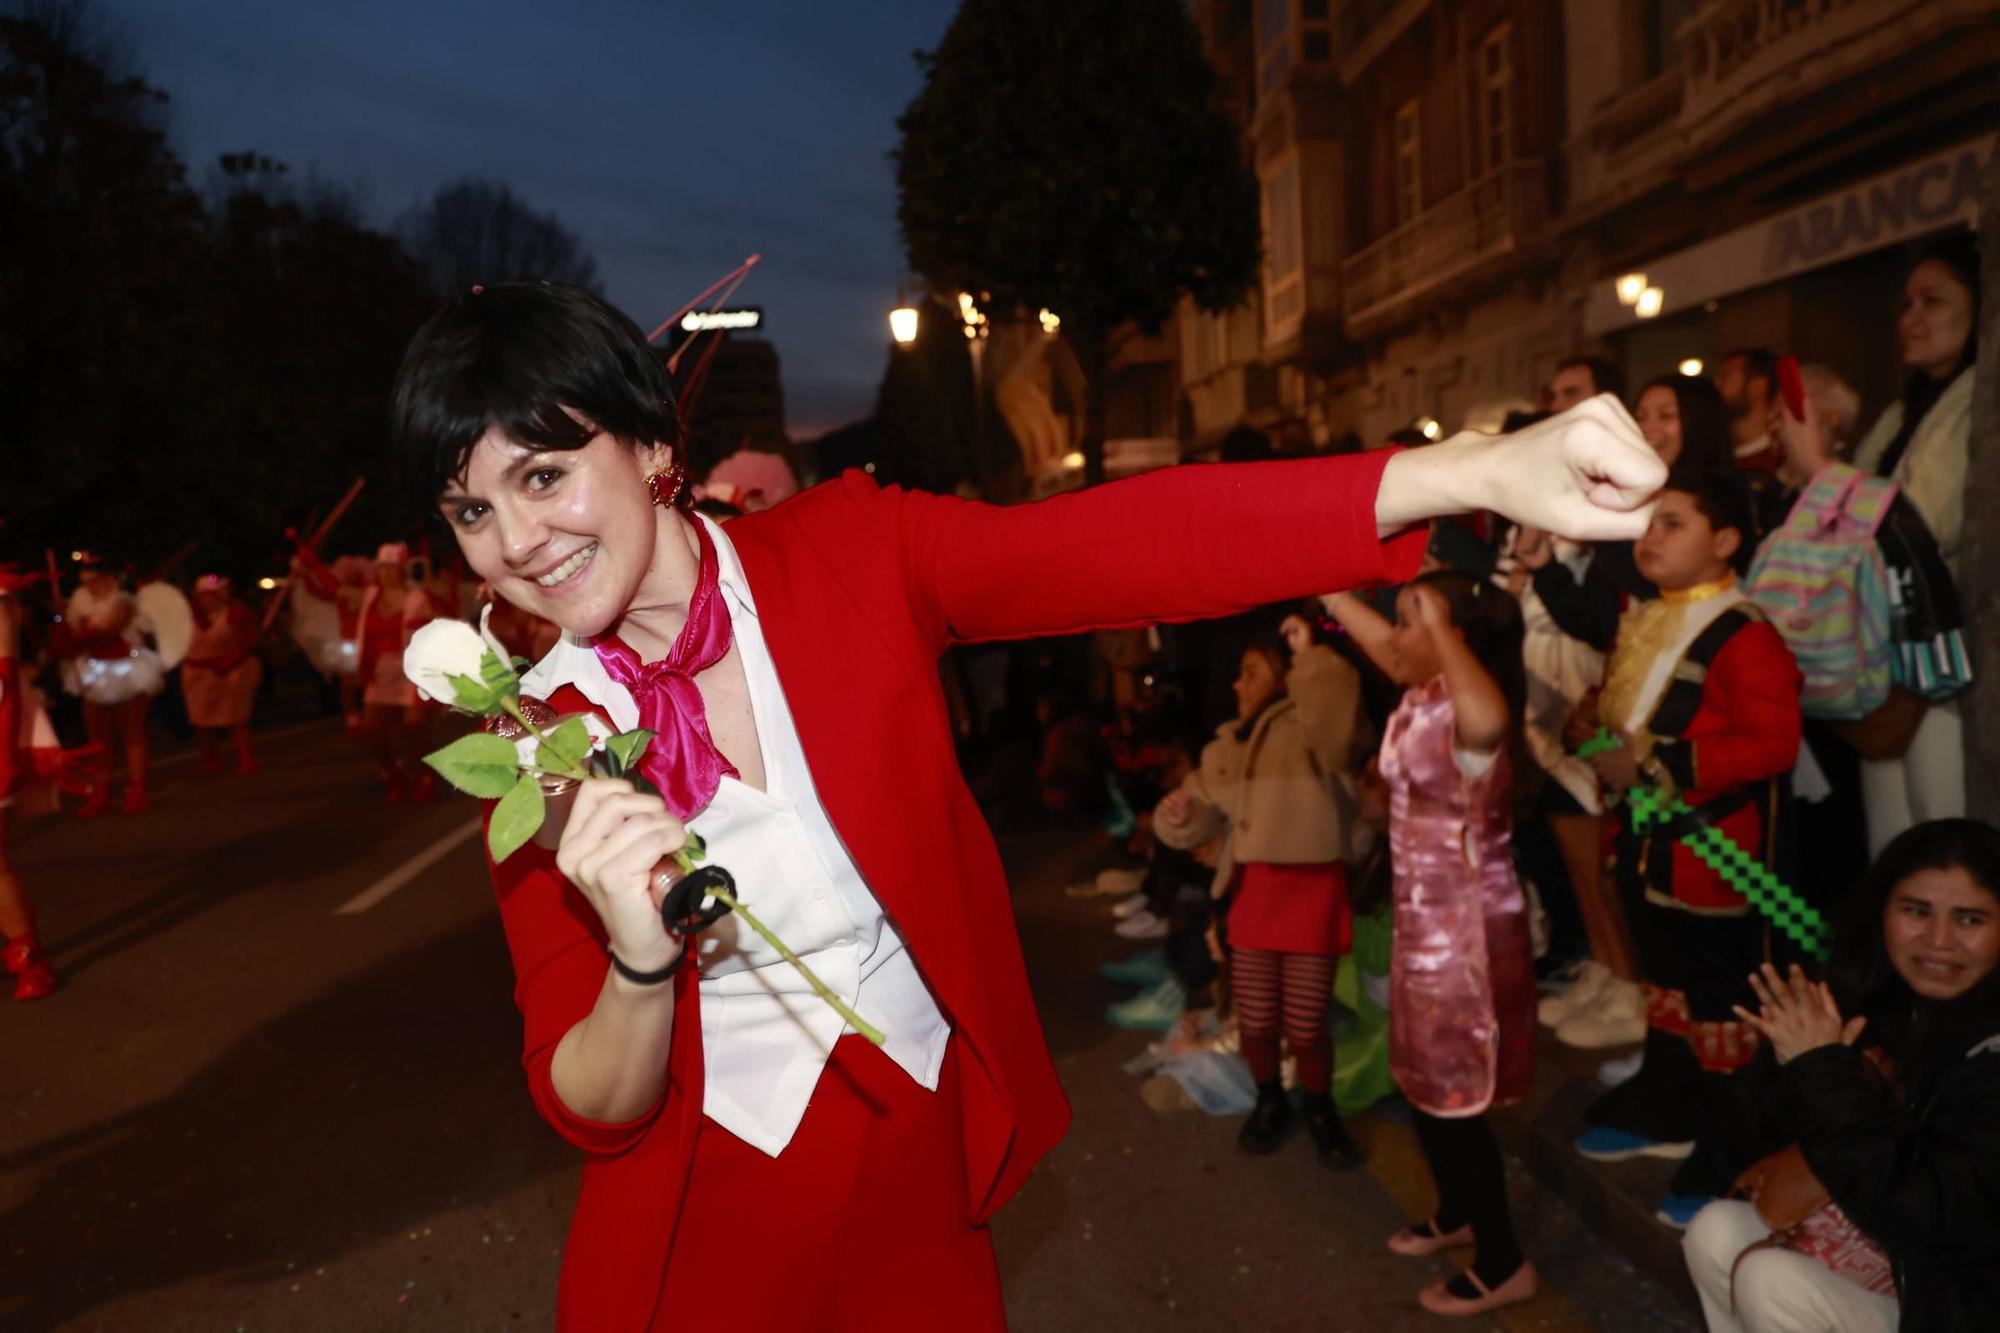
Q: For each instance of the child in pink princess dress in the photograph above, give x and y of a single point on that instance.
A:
(1462, 987)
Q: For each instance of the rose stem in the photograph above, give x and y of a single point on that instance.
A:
(512, 708)
(854, 1020)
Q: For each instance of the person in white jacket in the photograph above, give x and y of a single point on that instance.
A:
(1922, 443)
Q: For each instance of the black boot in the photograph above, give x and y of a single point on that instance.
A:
(1265, 1129)
(1329, 1135)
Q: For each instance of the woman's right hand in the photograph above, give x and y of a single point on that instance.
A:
(614, 839)
(1175, 808)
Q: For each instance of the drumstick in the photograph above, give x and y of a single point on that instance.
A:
(277, 603)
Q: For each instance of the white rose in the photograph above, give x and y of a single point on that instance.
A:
(437, 652)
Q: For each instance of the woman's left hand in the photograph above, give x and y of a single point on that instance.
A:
(1798, 1015)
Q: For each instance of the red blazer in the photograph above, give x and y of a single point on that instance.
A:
(859, 590)
(1745, 732)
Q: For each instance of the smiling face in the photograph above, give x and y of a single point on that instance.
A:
(567, 535)
(1942, 932)
(1659, 418)
(1936, 319)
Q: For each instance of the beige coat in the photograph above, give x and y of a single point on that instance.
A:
(1932, 470)
(1285, 796)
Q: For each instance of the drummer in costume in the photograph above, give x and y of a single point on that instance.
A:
(33, 977)
(116, 674)
(221, 674)
(393, 717)
(749, 1166)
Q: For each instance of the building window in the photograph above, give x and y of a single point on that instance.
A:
(1495, 100)
(1409, 162)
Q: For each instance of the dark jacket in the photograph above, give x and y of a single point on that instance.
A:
(1589, 610)
(1920, 1176)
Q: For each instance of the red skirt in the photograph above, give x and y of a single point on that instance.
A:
(863, 1222)
(1292, 909)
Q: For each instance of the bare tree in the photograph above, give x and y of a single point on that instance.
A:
(475, 231)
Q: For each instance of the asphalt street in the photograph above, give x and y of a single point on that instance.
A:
(280, 1091)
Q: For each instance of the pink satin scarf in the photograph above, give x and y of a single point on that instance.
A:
(682, 760)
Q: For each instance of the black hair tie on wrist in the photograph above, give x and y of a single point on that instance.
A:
(639, 978)
(685, 913)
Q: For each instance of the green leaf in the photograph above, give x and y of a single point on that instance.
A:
(627, 746)
(515, 819)
(695, 849)
(474, 696)
(479, 765)
(571, 740)
(498, 675)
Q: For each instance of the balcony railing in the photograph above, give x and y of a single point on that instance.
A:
(1485, 221)
(1741, 56)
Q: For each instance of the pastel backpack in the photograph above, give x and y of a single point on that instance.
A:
(1820, 580)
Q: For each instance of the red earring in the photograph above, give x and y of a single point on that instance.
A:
(669, 487)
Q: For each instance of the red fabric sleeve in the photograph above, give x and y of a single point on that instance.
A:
(559, 966)
(1184, 543)
(1755, 683)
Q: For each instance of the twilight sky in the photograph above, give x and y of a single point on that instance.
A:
(675, 137)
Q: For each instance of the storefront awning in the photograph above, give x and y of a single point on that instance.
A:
(1923, 196)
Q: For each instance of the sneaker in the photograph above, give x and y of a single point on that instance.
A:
(1146, 968)
(1141, 925)
(1155, 1010)
(1579, 995)
(1677, 1210)
(1620, 1068)
(1618, 1018)
(1601, 1143)
(1130, 905)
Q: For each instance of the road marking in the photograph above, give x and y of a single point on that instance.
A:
(257, 737)
(409, 870)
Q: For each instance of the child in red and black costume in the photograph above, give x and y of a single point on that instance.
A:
(1703, 698)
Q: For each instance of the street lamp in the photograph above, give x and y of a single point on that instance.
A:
(903, 325)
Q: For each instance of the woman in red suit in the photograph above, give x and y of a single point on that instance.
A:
(749, 1164)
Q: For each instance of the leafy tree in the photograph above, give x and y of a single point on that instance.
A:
(476, 231)
(1072, 155)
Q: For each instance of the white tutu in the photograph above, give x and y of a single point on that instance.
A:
(116, 680)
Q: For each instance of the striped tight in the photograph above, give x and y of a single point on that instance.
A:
(1289, 992)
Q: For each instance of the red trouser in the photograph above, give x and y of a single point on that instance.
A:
(862, 1223)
